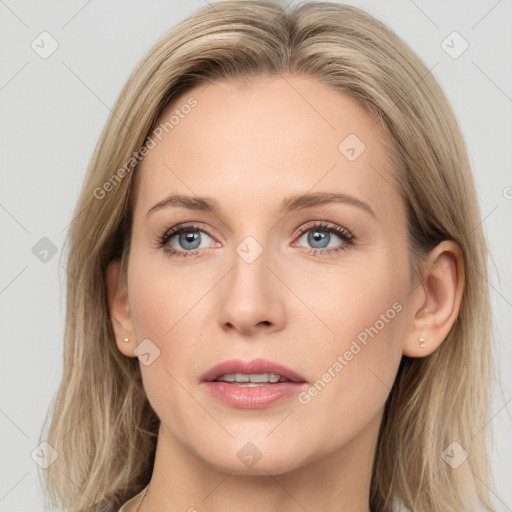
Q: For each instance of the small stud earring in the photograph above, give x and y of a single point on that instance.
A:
(126, 340)
(422, 342)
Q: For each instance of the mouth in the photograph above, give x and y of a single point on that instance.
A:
(252, 384)
(251, 380)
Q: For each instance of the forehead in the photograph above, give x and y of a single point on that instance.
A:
(255, 142)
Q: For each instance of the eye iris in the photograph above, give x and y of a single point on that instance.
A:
(318, 236)
(190, 237)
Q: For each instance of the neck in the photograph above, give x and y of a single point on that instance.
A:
(337, 481)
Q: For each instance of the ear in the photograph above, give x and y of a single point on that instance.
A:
(436, 300)
(120, 310)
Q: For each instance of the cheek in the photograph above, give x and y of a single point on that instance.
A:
(355, 367)
(361, 301)
(167, 307)
(160, 296)
(157, 305)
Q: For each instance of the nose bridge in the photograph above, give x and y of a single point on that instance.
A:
(250, 276)
(250, 296)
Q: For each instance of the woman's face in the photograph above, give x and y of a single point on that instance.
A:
(317, 286)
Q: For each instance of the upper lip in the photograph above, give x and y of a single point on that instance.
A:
(250, 367)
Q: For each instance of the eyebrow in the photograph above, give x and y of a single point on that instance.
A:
(291, 203)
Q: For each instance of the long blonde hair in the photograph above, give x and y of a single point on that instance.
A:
(102, 424)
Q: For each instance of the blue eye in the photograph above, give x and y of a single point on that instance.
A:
(319, 236)
(189, 238)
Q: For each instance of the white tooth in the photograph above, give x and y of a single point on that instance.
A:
(259, 377)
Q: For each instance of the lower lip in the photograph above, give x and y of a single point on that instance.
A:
(257, 397)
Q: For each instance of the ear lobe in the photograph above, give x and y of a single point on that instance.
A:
(120, 310)
(436, 301)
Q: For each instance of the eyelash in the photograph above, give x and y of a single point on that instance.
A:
(347, 237)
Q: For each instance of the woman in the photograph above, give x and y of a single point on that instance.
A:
(277, 293)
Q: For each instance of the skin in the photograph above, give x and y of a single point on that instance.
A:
(249, 146)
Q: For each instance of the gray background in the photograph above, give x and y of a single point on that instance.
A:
(53, 110)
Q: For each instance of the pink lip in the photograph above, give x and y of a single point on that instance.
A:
(255, 397)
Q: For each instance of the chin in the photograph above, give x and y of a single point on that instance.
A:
(255, 459)
(261, 468)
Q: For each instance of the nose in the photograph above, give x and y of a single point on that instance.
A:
(251, 299)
